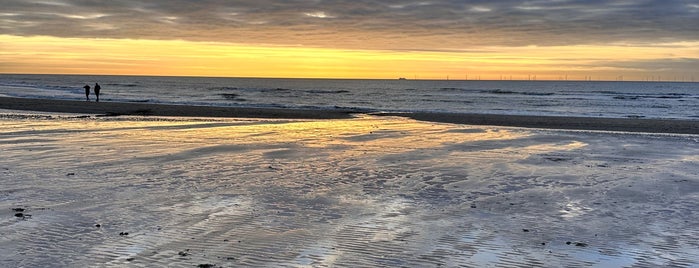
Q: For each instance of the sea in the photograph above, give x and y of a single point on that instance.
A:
(611, 99)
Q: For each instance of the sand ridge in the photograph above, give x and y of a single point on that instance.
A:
(549, 122)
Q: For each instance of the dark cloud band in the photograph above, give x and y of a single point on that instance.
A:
(400, 25)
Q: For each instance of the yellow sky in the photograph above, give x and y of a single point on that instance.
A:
(41, 54)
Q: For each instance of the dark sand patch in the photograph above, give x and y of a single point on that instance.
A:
(549, 122)
(150, 109)
(554, 122)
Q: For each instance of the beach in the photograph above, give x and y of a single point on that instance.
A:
(150, 109)
(140, 184)
(677, 126)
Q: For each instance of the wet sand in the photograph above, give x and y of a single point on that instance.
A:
(549, 122)
(151, 109)
(361, 192)
(120, 185)
(555, 122)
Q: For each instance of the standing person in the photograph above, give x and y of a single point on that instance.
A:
(97, 91)
(87, 92)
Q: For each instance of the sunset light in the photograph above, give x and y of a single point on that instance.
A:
(345, 133)
(518, 40)
(188, 58)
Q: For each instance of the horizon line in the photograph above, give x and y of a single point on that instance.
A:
(446, 78)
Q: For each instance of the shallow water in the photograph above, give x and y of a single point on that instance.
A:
(363, 192)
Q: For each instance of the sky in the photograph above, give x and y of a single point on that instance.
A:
(449, 39)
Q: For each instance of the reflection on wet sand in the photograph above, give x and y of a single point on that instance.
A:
(363, 192)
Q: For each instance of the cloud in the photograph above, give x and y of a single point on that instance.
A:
(362, 24)
(670, 65)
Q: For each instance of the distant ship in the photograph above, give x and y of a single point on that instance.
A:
(402, 78)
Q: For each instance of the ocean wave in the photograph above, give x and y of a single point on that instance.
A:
(501, 91)
(279, 89)
(122, 84)
(319, 91)
(225, 88)
(671, 96)
(222, 88)
(597, 92)
(626, 97)
(231, 96)
(449, 101)
(660, 96)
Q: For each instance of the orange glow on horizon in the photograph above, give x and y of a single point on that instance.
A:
(53, 55)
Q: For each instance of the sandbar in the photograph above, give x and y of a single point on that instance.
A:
(153, 109)
(675, 126)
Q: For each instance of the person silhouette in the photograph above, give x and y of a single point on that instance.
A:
(87, 92)
(97, 91)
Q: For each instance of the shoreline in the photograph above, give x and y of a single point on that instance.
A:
(670, 126)
(673, 126)
(152, 109)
